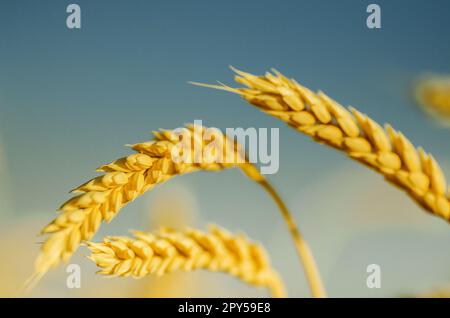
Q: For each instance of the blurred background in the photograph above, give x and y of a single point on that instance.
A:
(70, 100)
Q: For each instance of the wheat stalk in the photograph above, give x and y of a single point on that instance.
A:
(385, 150)
(169, 250)
(101, 198)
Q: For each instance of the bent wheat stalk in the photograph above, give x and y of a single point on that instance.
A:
(385, 150)
(101, 198)
(169, 250)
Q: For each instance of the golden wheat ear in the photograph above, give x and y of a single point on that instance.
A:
(123, 180)
(100, 199)
(387, 151)
(169, 250)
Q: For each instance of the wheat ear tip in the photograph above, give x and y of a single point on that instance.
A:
(276, 72)
(239, 72)
(30, 283)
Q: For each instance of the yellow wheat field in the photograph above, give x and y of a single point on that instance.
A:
(387, 151)
(167, 251)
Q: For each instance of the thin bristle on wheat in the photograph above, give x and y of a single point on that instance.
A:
(125, 179)
(385, 150)
(170, 250)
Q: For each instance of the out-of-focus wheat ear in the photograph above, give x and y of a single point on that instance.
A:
(168, 250)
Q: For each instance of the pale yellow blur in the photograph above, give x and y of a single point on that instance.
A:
(175, 208)
(433, 95)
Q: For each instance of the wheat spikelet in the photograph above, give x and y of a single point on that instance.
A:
(315, 114)
(171, 250)
(123, 180)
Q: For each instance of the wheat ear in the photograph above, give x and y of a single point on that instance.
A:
(127, 178)
(101, 198)
(167, 251)
(385, 150)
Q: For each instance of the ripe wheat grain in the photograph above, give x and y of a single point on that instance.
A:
(315, 114)
(168, 250)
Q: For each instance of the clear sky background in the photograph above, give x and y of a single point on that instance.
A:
(70, 100)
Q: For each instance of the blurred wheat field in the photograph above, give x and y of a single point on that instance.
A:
(432, 93)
